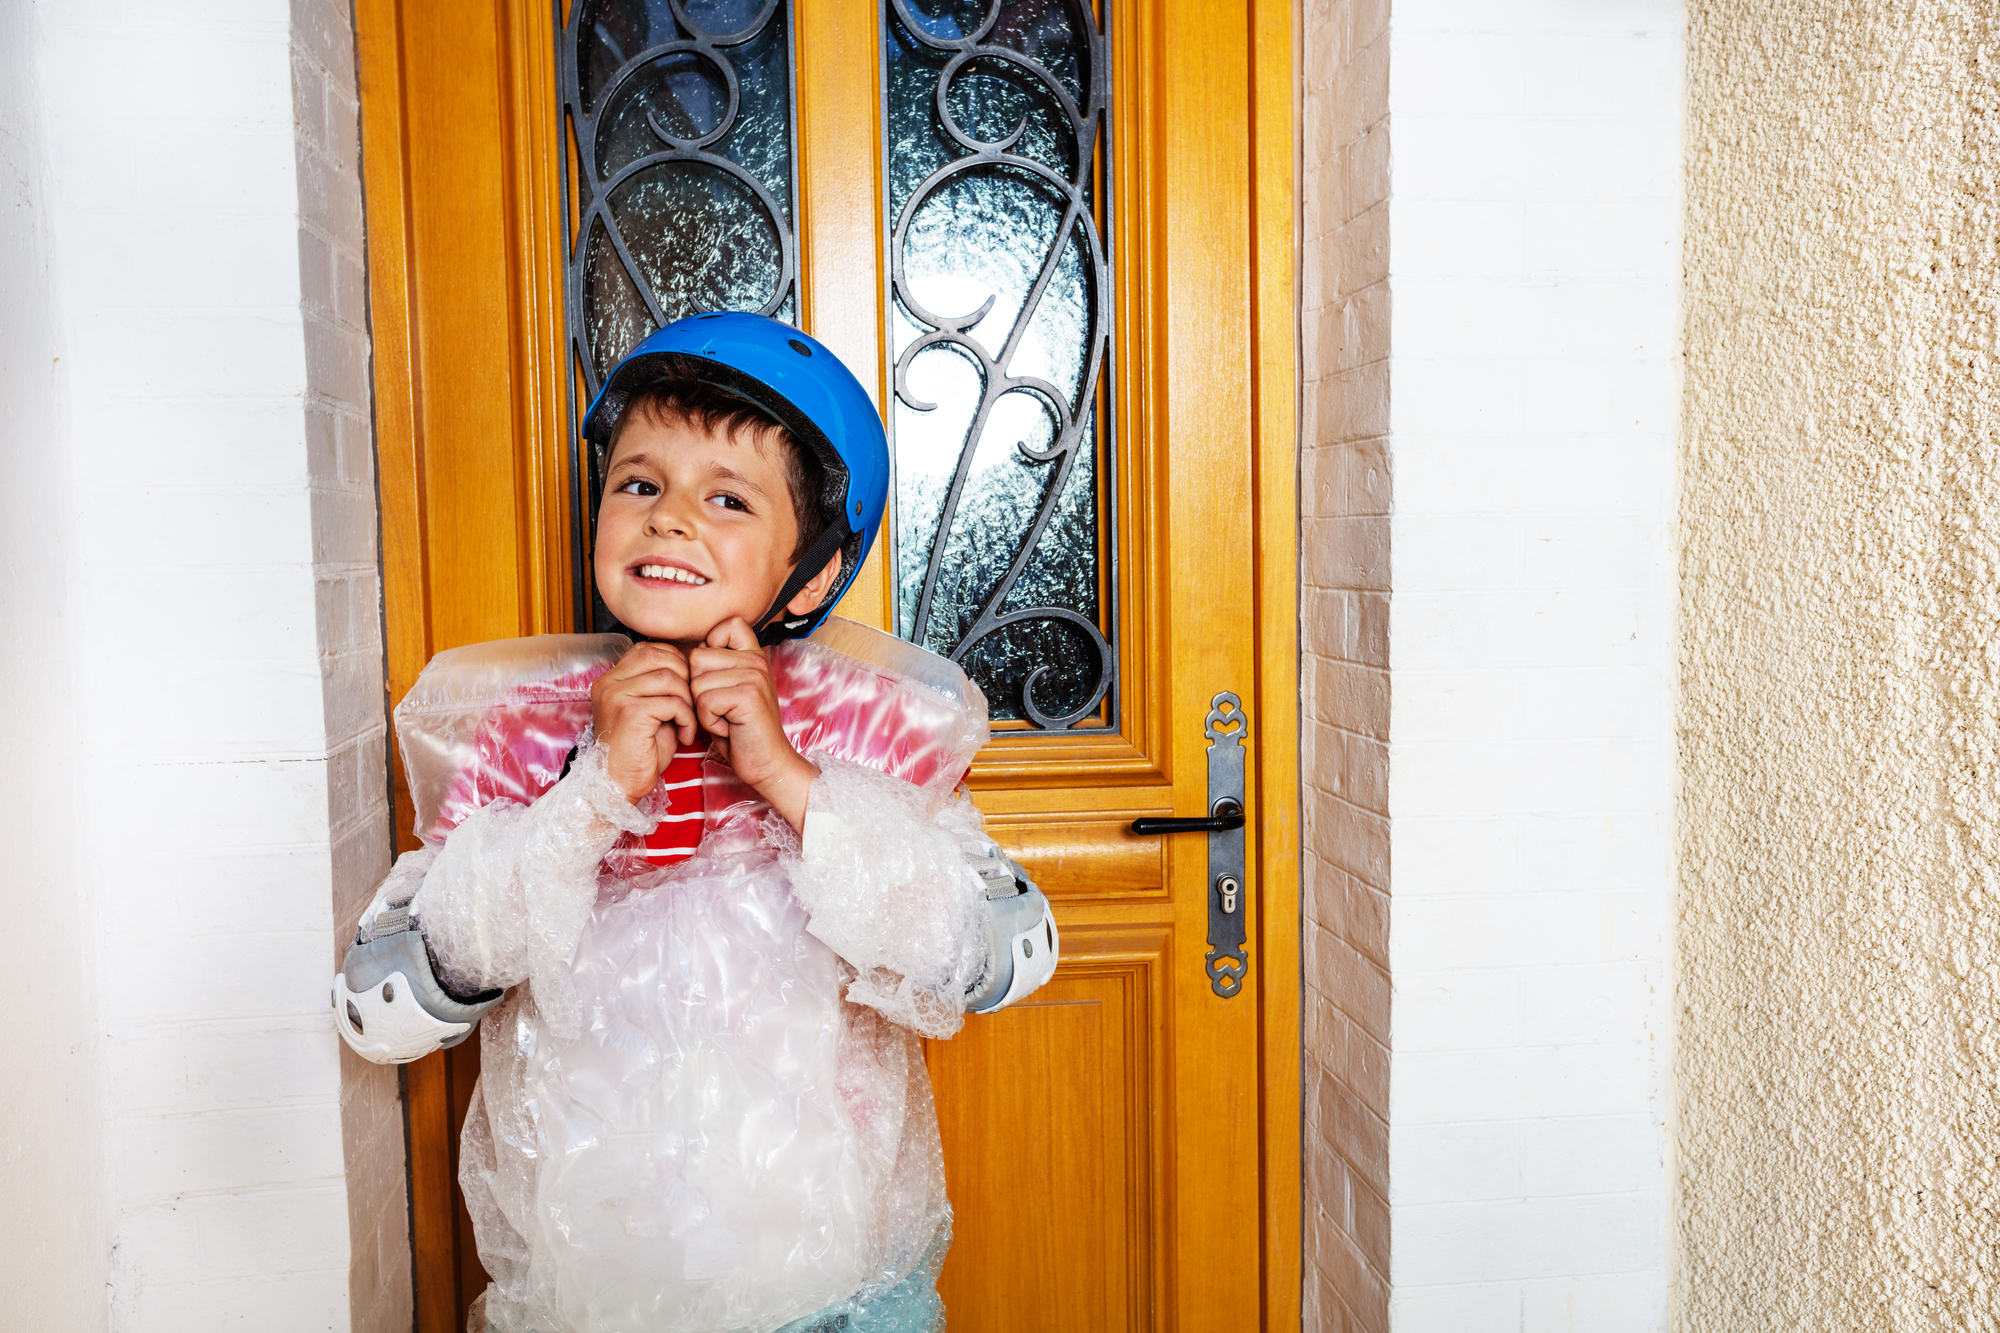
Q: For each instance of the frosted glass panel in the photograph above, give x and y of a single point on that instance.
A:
(677, 142)
(999, 325)
(678, 167)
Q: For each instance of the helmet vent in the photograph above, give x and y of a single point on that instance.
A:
(799, 347)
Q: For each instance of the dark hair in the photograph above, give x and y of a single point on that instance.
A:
(703, 406)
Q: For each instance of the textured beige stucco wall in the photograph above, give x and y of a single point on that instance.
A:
(1840, 824)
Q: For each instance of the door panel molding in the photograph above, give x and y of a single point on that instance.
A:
(1087, 1056)
(1085, 860)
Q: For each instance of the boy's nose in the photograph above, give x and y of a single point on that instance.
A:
(670, 517)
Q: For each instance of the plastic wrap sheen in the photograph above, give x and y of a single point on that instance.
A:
(886, 884)
(496, 720)
(709, 1124)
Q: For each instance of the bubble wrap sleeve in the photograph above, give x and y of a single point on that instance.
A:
(511, 890)
(886, 886)
(405, 877)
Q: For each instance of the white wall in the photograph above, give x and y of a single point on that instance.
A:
(53, 1252)
(340, 462)
(1490, 266)
(1534, 262)
(199, 596)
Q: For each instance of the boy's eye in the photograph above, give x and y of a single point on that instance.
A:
(638, 486)
(727, 501)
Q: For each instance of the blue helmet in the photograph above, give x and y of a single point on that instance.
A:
(801, 385)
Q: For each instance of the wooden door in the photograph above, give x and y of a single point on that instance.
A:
(1122, 1149)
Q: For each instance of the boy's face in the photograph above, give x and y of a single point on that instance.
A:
(695, 528)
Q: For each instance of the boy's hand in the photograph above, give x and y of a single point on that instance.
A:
(643, 711)
(736, 701)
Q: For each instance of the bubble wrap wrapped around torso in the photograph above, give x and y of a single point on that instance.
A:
(726, 1131)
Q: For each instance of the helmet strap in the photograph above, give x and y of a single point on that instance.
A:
(778, 624)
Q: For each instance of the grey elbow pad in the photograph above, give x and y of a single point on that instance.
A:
(1022, 944)
(387, 1002)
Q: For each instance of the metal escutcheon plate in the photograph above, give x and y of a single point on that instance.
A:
(1227, 962)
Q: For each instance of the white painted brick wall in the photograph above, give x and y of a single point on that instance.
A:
(1345, 502)
(1533, 219)
(53, 1246)
(1488, 314)
(205, 225)
(348, 616)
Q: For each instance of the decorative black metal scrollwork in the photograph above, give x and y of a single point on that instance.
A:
(1045, 65)
(677, 175)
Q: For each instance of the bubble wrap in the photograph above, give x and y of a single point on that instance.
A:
(398, 887)
(870, 698)
(911, 1306)
(702, 1119)
(886, 885)
(492, 721)
(513, 885)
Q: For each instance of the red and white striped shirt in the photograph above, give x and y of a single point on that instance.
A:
(679, 793)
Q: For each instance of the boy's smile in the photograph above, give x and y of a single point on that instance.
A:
(668, 572)
(696, 527)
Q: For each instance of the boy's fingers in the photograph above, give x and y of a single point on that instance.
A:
(705, 661)
(651, 675)
(661, 680)
(659, 707)
(641, 658)
(735, 633)
(722, 689)
(666, 657)
(711, 683)
(654, 704)
(685, 724)
(710, 707)
(668, 710)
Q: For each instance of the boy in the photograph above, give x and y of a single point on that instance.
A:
(708, 1111)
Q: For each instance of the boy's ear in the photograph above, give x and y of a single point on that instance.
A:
(816, 589)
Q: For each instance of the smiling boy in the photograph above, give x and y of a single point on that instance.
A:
(708, 1111)
(698, 534)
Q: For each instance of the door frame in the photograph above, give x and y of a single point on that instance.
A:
(516, 272)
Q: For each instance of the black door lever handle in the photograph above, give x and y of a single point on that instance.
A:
(1227, 818)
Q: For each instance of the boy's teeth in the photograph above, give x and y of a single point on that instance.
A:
(669, 572)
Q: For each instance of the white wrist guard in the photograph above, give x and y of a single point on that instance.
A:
(1022, 945)
(387, 1002)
